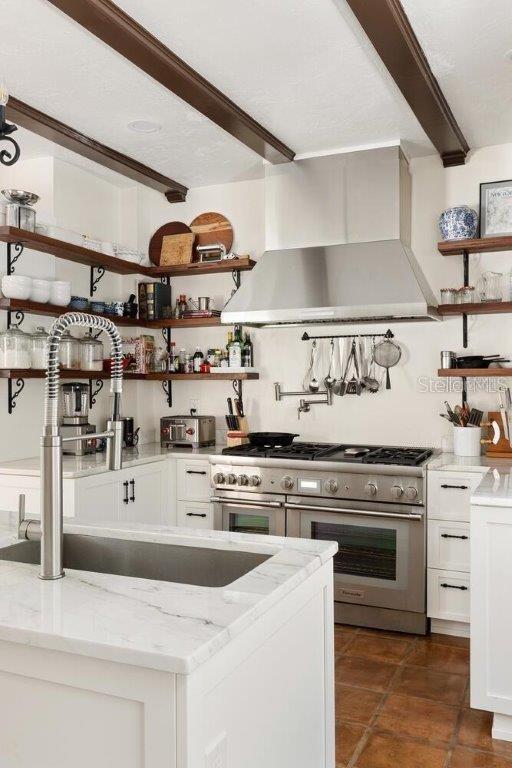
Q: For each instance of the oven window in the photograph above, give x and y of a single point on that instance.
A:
(249, 523)
(363, 551)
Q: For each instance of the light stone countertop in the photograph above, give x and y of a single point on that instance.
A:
(449, 462)
(495, 490)
(155, 624)
(95, 463)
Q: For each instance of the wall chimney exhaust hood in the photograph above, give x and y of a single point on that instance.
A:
(370, 275)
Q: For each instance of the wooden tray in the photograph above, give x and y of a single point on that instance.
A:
(155, 244)
(212, 228)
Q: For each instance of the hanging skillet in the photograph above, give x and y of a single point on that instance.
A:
(387, 354)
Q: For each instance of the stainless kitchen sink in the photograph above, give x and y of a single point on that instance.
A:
(144, 560)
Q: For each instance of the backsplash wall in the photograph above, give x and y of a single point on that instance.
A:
(407, 414)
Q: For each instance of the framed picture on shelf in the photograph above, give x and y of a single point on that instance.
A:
(495, 208)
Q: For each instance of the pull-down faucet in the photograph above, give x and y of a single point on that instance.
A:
(50, 529)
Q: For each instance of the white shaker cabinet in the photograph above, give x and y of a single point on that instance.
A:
(137, 494)
(491, 622)
(144, 493)
(448, 548)
(193, 493)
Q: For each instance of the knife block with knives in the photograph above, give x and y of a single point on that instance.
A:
(238, 426)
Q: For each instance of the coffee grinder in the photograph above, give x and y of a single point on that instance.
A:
(75, 418)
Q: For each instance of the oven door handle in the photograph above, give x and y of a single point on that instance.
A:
(365, 512)
(245, 503)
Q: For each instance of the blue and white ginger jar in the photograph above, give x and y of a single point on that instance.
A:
(458, 223)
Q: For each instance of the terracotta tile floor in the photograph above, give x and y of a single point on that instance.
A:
(403, 702)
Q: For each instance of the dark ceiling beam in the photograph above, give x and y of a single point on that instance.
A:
(49, 128)
(122, 33)
(388, 28)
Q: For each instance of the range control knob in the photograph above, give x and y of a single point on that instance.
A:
(287, 483)
(370, 489)
(331, 486)
(411, 493)
(219, 478)
(242, 480)
(254, 480)
(397, 491)
(231, 479)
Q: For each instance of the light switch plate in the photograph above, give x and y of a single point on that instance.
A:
(217, 754)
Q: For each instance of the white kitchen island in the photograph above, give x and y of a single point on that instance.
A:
(491, 600)
(107, 671)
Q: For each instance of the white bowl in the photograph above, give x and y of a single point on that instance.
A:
(60, 293)
(41, 295)
(16, 287)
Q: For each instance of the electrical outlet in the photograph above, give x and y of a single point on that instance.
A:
(193, 405)
(217, 754)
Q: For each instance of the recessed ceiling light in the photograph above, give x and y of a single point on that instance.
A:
(144, 126)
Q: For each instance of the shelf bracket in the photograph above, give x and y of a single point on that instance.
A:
(465, 256)
(12, 393)
(19, 317)
(12, 258)
(237, 386)
(95, 279)
(167, 388)
(93, 393)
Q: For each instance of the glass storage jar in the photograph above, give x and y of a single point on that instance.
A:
(448, 295)
(15, 348)
(91, 354)
(467, 294)
(38, 348)
(69, 351)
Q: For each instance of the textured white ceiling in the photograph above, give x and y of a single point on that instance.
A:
(465, 42)
(303, 68)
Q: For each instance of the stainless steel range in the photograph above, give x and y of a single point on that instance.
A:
(369, 499)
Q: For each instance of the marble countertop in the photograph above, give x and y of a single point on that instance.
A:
(95, 463)
(495, 490)
(449, 462)
(160, 625)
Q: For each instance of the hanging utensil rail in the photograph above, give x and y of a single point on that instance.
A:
(388, 335)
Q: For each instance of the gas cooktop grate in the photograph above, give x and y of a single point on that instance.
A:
(405, 457)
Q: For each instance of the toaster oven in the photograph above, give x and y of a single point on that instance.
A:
(187, 431)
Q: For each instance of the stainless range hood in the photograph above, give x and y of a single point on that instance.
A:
(358, 280)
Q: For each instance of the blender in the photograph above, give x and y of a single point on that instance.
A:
(75, 418)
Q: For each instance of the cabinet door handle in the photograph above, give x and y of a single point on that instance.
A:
(456, 487)
(125, 500)
(452, 536)
(195, 472)
(132, 483)
(196, 514)
(455, 586)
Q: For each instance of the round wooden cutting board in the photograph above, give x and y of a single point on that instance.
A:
(212, 228)
(155, 244)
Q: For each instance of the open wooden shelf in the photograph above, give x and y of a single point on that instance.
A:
(475, 245)
(90, 258)
(476, 308)
(69, 251)
(474, 372)
(32, 373)
(186, 322)
(198, 268)
(35, 308)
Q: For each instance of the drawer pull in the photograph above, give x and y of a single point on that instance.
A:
(452, 536)
(196, 514)
(454, 586)
(132, 483)
(125, 500)
(456, 487)
(195, 472)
